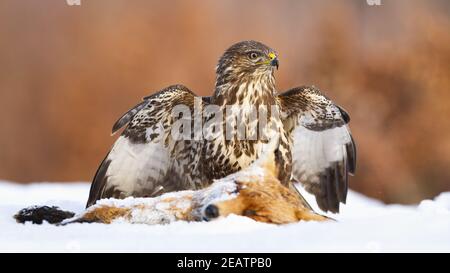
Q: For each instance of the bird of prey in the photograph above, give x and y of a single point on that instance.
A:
(316, 149)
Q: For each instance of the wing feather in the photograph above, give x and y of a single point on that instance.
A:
(324, 151)
(141, 161)
(128, 116)
(99, 181)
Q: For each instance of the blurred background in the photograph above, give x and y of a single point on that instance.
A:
(68, 72)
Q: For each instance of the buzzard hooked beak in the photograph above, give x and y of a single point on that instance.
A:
(273, 60)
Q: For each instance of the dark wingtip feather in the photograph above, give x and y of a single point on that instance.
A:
(333, 202)
(344, 189)
(322, 203)
(351, 155)
(125, 118)
(333, 187)
(321, 196)
(344, 114)
(98, 182)
(328, 199)
(119, 124)
(341, 180)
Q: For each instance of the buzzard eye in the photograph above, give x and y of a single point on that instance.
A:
(253, 55)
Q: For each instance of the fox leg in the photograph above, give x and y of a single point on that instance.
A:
(101, 214)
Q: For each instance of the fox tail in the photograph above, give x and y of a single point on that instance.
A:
(39, 214)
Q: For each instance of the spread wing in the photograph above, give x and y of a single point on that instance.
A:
(323, 152)
(140, 161)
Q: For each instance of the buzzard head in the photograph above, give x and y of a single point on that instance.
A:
(245, 61)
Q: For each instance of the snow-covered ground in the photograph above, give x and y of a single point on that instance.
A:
(364, 225)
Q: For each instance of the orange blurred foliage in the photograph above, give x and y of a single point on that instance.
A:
(67, 73)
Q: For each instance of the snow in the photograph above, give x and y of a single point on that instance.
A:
(364, 225)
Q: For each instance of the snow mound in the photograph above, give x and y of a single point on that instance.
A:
(364, 224)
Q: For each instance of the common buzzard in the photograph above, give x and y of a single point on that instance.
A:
(176, 140)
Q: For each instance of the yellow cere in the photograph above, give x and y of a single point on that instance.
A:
(272, 55)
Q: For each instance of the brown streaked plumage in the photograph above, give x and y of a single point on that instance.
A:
(315, 146)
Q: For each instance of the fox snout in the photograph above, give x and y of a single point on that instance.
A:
(211, 212)
(266, 201)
